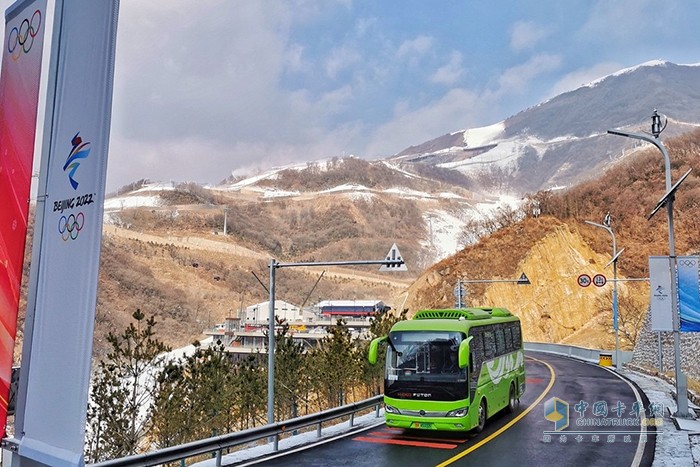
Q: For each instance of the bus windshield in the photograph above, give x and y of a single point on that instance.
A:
(424, 356)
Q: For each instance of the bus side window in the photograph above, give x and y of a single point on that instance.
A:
(509, 338)
(477, 349)
(516, 336)
(500, 342)
(489, 345)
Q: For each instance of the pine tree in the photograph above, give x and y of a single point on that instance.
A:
(122, 391)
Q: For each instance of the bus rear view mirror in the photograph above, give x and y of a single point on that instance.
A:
(464, 352)
(374, 349)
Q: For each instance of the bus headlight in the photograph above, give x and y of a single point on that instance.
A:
(458, 412)
(391, 409)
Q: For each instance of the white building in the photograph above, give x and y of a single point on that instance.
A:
(260, 312)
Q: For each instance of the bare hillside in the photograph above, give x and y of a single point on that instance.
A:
(553, 246)
(553, 308)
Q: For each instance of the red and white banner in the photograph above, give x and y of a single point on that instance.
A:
(19, 97)
(54, 398)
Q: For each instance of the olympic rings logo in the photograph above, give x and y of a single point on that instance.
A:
(69, 227)
(687, 262)
(22, 39)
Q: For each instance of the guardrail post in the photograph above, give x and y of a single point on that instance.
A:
(377, 411)
(352, 419)
(275, 442)
(218, 458)
(318, 430)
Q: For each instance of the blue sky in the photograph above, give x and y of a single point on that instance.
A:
(207, 88)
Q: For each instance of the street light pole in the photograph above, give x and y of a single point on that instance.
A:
(681, 382)
(606, 226)
(393, 262)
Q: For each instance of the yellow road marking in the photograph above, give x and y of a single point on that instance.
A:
(510, 423)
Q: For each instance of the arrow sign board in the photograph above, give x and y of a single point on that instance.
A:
(584, 280)
(394, 260)
(599, 280)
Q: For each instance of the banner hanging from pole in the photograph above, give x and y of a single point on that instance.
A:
(689, 292)
(660, 289)
(19, 99)
(56, 393)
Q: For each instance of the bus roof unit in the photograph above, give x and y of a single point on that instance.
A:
(473, 313)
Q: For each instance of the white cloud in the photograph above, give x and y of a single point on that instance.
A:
(451, 72)
(623, 19)
(525, 35)
(340, 59)
(294, 58)
(516, 79)
(415, 47)
(458, 108)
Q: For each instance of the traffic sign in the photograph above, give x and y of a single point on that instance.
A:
(599, 280)
(394, 260)
(584, 280)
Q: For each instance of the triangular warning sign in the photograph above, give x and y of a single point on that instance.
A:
(523, 280)
(394, 260)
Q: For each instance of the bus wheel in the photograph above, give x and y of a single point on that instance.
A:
(482, 416)
(512, 400)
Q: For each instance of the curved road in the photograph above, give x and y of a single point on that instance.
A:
(524, 438)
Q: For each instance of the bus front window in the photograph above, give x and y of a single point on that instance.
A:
(424, 356)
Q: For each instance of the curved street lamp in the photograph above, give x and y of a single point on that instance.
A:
(681, 382)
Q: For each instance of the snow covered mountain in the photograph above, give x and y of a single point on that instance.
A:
(563, 140)
(471, 174)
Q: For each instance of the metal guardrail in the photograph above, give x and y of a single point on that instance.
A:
(580, 353)
(217, 444)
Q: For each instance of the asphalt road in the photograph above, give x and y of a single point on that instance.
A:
(524, 438)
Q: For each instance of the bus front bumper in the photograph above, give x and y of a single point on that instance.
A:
(428, 423)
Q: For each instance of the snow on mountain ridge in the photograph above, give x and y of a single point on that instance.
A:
(650, 63)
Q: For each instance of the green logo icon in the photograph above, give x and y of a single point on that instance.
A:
(557, 411)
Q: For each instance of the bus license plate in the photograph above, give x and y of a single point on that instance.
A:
(424, 426)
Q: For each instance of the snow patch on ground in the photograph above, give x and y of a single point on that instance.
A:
(444, 231)
(157, 186)
(124, 202)
(503, 200)
(399, 169)
(445, 226)
(267, 194)
(476, 137)
(672, 445)
(408, 193)
(346, 187)
(360, 196)
(448, 195)
(625, 71)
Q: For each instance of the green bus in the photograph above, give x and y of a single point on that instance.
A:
(452, 369)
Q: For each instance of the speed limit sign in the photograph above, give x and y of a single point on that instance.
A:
(599, 280)
(584, 280)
